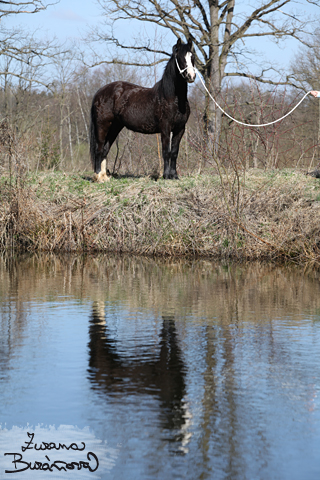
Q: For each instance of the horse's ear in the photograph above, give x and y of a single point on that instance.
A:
(190, 43)
(177, 46)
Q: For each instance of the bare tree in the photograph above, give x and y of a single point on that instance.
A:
(13, 7)
(306, 68)
(220, 34)
(27, 55)
(24, 57)
(24, 61)
(306, 65)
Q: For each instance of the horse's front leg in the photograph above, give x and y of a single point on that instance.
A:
(166, 154)
(175, 143)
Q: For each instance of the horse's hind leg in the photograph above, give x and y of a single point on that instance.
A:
(101, 175)
(103, 150)
(98, 155)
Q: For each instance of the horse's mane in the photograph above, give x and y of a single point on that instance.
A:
(167, 86)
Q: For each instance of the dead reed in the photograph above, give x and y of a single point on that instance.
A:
(262, 215)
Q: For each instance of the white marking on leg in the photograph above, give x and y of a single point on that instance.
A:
(104, 166)
(102, 175)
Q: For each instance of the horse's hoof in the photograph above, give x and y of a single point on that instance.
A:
(171, 176)
(101, 177)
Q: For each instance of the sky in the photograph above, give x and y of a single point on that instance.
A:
(70, 19)
(66, 19)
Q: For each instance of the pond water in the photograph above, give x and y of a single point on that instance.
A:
(152, 369)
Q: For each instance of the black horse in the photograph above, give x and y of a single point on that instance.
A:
(163, 109)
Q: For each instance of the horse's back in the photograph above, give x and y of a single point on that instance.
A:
(131, 105)
(115, 91)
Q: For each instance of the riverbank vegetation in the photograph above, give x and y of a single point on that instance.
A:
(260, 215)
(250, 200)
(243, 192)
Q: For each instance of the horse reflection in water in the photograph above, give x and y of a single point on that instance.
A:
(161, 375)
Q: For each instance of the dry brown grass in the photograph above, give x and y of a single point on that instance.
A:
(263, 215)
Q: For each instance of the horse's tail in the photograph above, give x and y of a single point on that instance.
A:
(93, 139)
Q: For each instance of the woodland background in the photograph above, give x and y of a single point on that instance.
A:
(45, 123)
(243, 192)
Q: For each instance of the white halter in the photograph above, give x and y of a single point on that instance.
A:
(179, 69)
(178, 66)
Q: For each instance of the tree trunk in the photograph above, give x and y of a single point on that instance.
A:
(214, 76)
(70, 135)
(213, 121)
(215, 73)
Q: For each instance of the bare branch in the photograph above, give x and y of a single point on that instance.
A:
(216, 29)
(14, 7)
(261, 79)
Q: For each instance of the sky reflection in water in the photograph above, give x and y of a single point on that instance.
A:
(179, 369)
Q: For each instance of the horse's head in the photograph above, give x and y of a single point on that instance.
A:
(185, 60)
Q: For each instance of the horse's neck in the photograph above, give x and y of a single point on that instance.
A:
(172, 83)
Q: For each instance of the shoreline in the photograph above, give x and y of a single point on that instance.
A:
(263, 215)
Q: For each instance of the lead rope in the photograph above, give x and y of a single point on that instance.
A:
(238, 121)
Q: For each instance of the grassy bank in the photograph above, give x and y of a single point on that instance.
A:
(261, 215)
